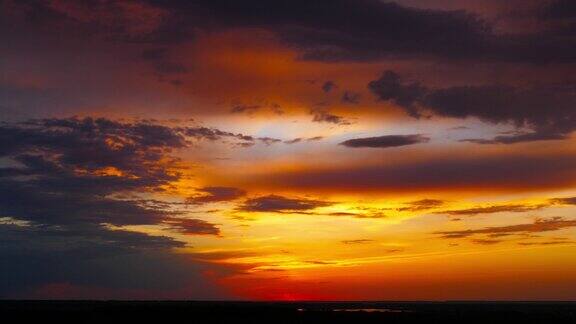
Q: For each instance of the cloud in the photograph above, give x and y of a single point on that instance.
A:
(318, 31)
(420, 205)
(350, 97)
(359, 241)
(82, 179)
(364, 214)
(377, 30)
(126, 265)
(559, 9)
(486, 241)
(390, 87)
(239, 107)
(540, 225)
(512, 173)
(374, 30)
(190, 226)
(493, 209)
(547, 243)
(517, 138)
(269, 140)
(564, 201)
(293, 141)
(274, 203)
(44, 203)
(386, 141)
(165, 67)
(214, 134)
(328, 86)
(300, 140)
(242, 108)
(323, 116)
(122, 20)
(215, 194)
(547, 110)
(79, 165)
(318, 262)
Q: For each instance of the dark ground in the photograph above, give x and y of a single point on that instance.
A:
(285, 312)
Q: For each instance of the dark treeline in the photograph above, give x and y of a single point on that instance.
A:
(284, 312)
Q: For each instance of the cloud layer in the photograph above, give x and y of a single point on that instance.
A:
(66, 182)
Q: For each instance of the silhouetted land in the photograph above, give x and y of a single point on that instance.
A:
(286, 312)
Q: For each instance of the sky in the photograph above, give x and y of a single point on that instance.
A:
(288, 150)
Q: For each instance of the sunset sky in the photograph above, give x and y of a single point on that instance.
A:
(288, 149)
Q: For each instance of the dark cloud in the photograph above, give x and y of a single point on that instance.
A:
(495, 173)
(294, 141)
(101, 142)
(78, 165)
(68, 182)
(215, 194)
(364, 213)
(493, 210)
(316, 27)
(372, 29)
(318, 262)
(341, 30)
(377, 30)
(44, 203)
(191, 226)
(421, 205)
(300, 140)
(17, 100)
(359, 241)
(547, 243)
(386, 141)
(350, 97)
(559, 9)
(125, 264)
(390, 87)
(540, 225)
(269, 140)
(546, 110)
(163, 64)
(214, 134)
(323, 116)
(274, 203)
(239, 107)
(518, 138)
(328, 86)
(486, 241)
(165, 68)
(564, 201)
(242, 108)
